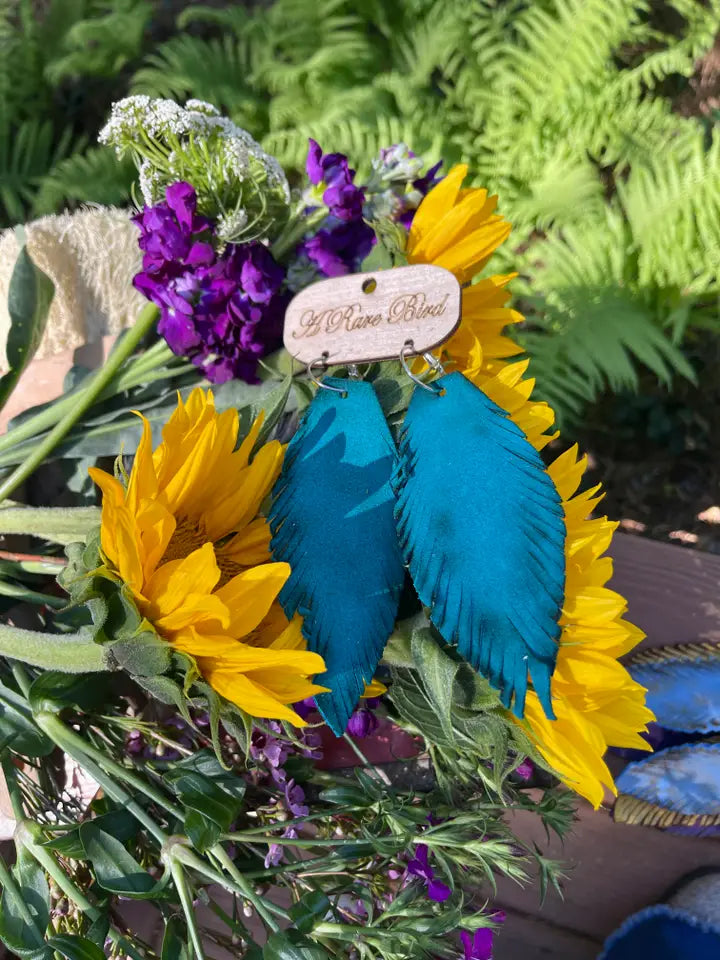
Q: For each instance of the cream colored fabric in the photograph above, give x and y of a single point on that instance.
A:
(91, 257)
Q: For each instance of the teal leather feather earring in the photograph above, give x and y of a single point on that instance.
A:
(482, 529)
(332, 521)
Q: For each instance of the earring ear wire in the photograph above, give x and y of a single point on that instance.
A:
(322, 359)
(434, 364)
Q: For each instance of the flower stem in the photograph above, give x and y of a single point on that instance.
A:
(48, 862)
(143, 324)
(245, 887)
(68, 653)
(82, 753)
(187, 905)
(155, 356)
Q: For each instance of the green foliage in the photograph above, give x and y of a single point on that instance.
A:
(565, 108)
(52, 58)
(29, 298)
(467, 731)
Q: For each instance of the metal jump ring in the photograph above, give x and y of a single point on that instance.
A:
(429, 359)
(318, 383)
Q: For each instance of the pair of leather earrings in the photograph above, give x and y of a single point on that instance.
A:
(463, 501)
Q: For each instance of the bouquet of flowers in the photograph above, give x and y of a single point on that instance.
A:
(315, 644)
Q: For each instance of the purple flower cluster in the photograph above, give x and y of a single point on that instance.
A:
(271, 753)
(345, 240)
(222, 311)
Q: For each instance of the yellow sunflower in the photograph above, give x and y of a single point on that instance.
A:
(596, 701)
(184, 534)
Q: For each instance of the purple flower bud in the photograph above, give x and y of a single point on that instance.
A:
(362, 723)
(525, 770)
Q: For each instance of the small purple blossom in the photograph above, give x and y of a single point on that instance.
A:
(342, 197)
(294, 796)
(479, 945)
(270, 752)
(305, 708)
(340, 249)
(420, 867)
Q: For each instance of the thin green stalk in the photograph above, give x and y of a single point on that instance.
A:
(253, 832)
(187, 905)
(143, 324)
(242, 888)
(13, 787)
(70, 653)
(262, 908)
(48, 862)
(156, 355)
(316, 865)
(83, 753)
(23, 681)
(117, 769)
(358, 752)
(239, 928)
(17, 591)
(293, 842)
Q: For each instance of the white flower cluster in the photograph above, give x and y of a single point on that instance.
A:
(140, 123)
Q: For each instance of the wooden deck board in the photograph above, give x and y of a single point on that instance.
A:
(614, 869)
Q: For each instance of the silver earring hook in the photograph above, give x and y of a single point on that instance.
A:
(433, 363)
(318, 383)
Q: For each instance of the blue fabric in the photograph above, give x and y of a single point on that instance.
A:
(332, 521)
(683, 694)
(685, 779)
(482, 529)
(662, 933)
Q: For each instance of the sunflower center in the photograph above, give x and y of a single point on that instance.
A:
(188, 536)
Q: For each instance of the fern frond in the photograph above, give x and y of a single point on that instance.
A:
(95, 176)
(673, 208)
(587, 322)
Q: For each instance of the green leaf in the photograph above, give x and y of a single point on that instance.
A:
(17, 728)
(75, 948)
(206, 763)
(283, 946)
(25, 909)
(115, 869)
(53, 691)
(272, 403)
(199, 793)
(312, 906)
(344, 795)
(438, 672)
(98, 929)
(29, 299)
(174, 945)
(202, 832)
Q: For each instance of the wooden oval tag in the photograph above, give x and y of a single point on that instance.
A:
(371, 316)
